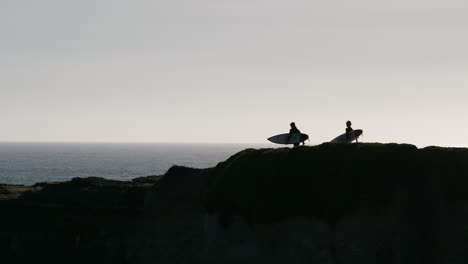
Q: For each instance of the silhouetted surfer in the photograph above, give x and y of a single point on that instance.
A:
(348, 129)
(292, 131)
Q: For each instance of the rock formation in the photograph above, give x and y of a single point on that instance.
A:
(332, 203)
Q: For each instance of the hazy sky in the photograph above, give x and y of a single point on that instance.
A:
(233, 71)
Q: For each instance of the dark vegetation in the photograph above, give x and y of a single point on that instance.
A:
(331, 180)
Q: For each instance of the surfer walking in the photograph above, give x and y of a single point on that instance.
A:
(293, 130)
(348, 130)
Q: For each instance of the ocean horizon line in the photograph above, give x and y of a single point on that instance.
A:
(132, 142)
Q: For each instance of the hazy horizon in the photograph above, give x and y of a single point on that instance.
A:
(265, 144)
(216, 71)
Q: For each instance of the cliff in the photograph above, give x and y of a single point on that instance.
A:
(332, 203)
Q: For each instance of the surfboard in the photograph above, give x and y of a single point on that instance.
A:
(352, 135)
(294, 139)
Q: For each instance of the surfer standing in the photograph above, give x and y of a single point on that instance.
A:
(348, 129)
(292, 131)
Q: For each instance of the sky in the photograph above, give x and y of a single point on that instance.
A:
(220, 71)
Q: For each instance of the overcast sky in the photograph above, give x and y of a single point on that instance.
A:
(233, 71)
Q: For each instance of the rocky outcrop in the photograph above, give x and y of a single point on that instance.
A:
(82, 220)
(332, 203)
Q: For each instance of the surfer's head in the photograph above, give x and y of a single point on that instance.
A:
(348, 123)
(292, 124)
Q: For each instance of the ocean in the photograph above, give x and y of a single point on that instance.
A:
(30, 163)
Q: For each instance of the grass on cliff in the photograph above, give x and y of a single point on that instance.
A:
(329, 180)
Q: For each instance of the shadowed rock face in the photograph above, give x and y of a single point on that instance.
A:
(332, 203)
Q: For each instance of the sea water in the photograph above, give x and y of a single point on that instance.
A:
(30, 163)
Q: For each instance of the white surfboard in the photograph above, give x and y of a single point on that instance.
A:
(294, 139)
(352, 135)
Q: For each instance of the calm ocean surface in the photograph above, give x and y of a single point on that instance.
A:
(30, 163)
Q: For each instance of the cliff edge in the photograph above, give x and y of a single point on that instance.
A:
(331, 181)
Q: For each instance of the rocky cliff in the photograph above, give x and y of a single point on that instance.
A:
(332, 203)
